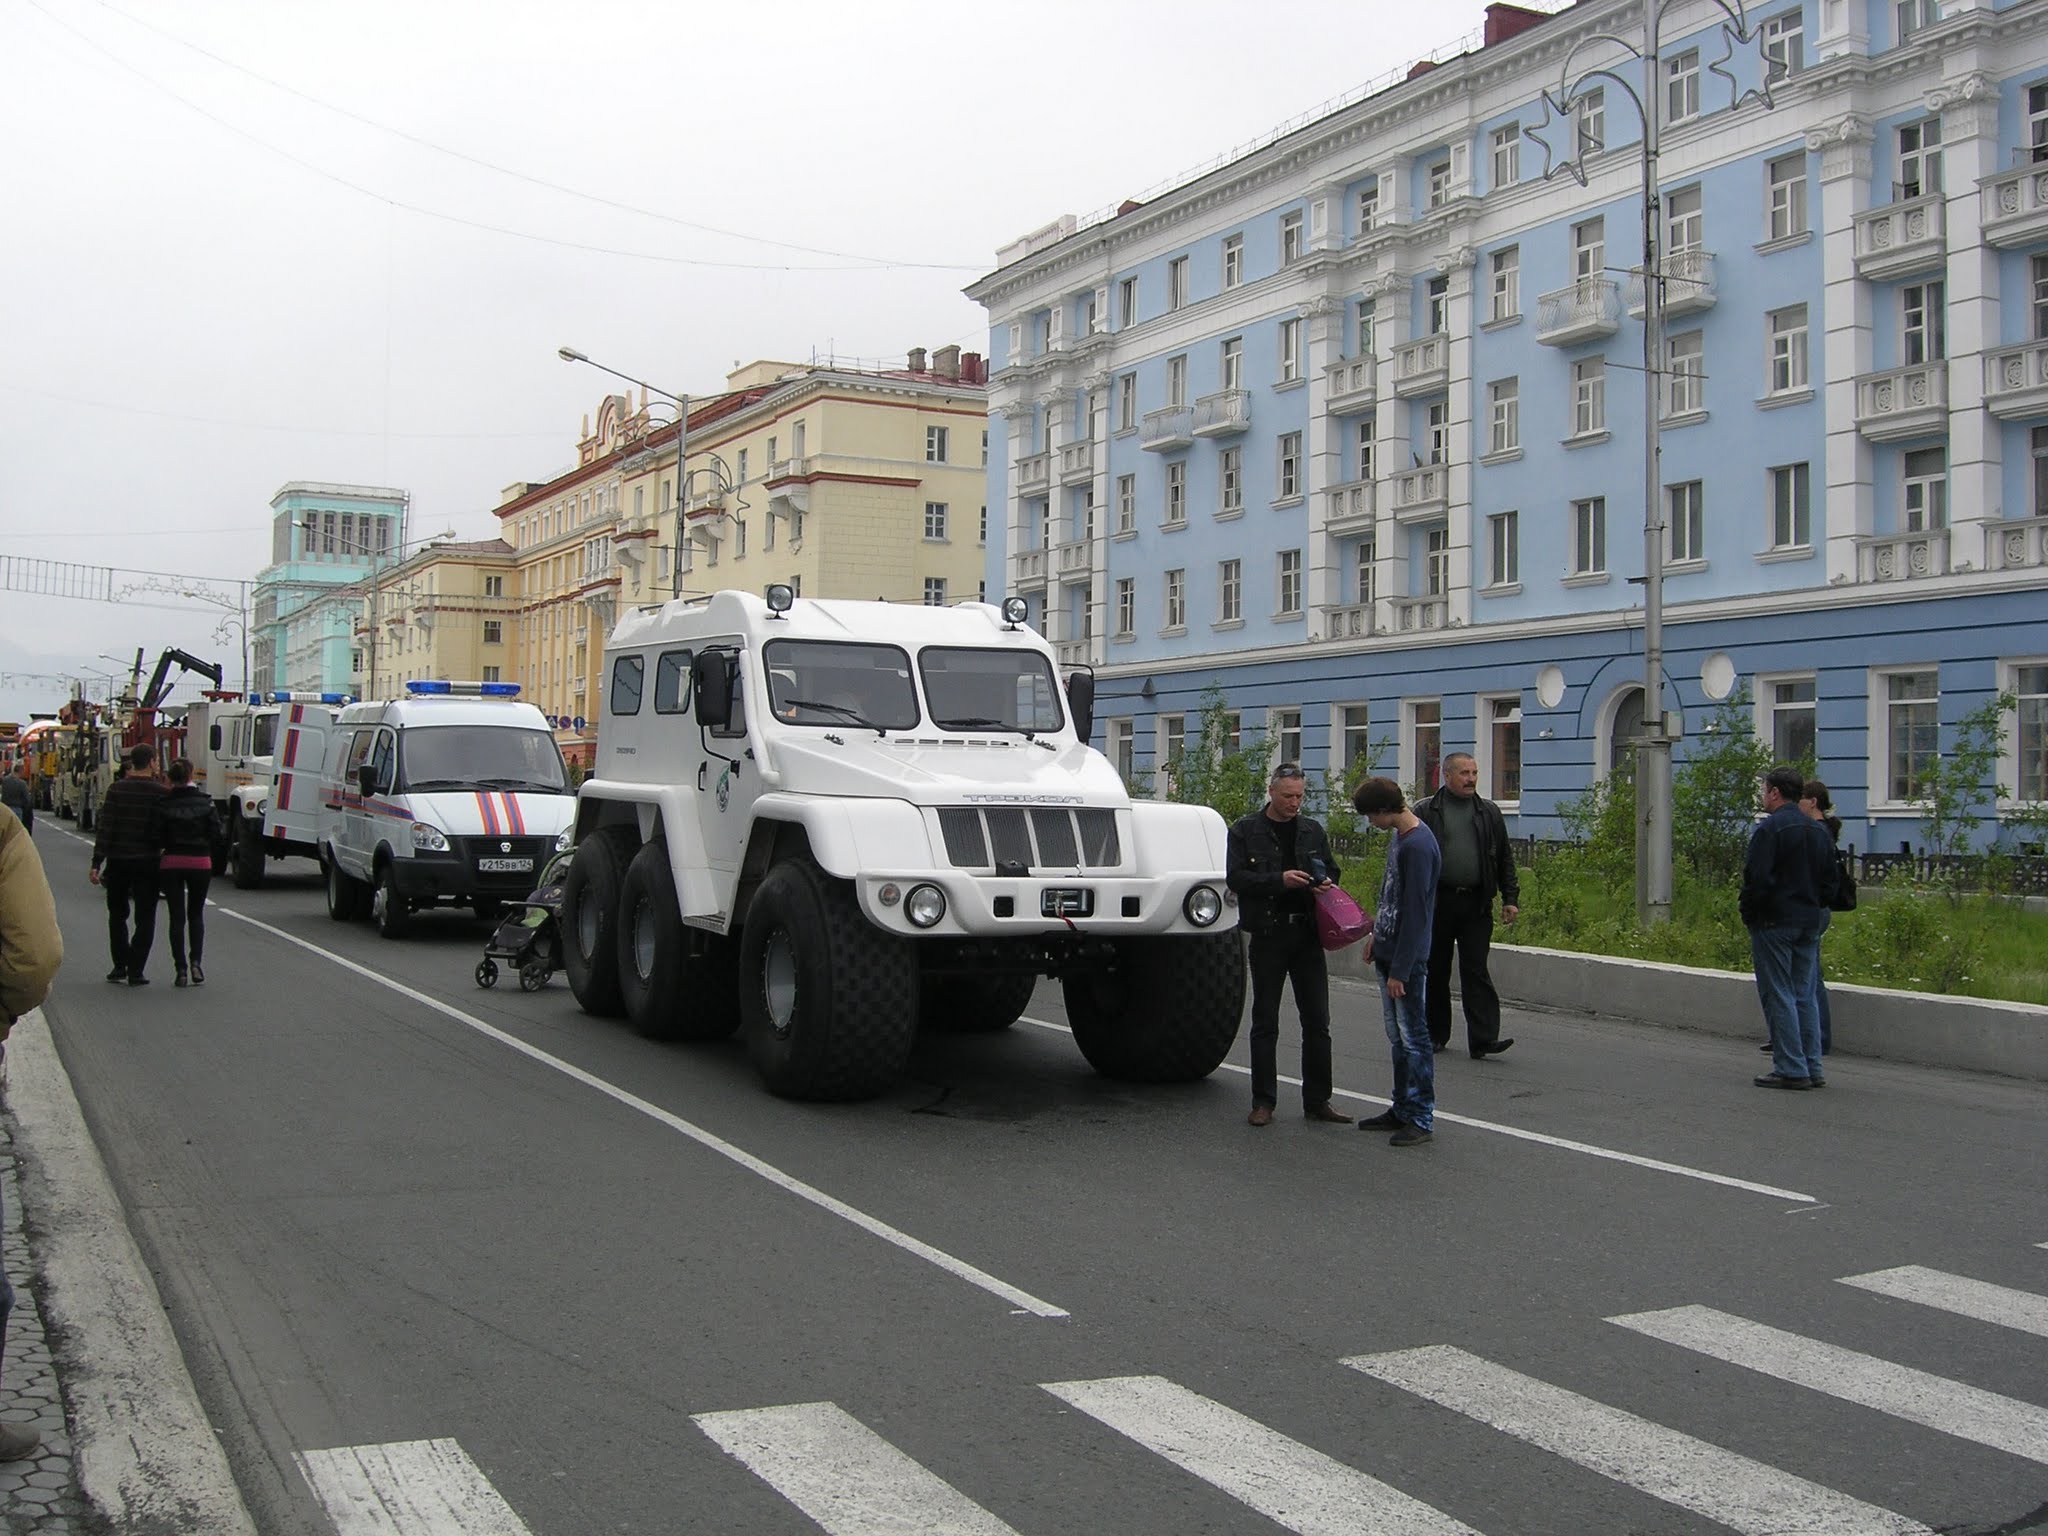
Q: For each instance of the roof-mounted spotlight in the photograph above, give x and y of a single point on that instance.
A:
(780, 596)
(1015, 611)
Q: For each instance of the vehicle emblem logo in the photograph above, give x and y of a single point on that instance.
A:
(504, 847)
(725, 789)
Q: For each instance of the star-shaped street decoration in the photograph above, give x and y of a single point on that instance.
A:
(1738, 33)
(1557, 113)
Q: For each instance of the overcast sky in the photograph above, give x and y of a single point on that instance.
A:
(251, 241)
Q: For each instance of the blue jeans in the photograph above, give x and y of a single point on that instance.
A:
(1820, 988)
(1787, 962)
(1414, 1055)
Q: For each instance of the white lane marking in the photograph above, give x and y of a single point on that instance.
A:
(1693, 1474)
(1977, 1299)
(1290, 1484)
(960, 1269)
(1920, 1397)
(843, 1475)
(407, 1488)
(1656, 1165)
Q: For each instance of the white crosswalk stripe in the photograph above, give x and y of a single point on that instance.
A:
(1720, 1484)
(1291, 1484)
(1976, 1299)
(843, 1475)
(407, 1488)
(1968, 1413)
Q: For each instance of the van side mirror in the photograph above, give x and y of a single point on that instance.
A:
(366, 778)
(711, 674)
(1081, 703)
(213, 738)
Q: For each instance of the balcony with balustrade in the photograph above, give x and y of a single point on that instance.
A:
(1902, 556)
(2015, 207)
(1899, 404)
(1075, 557)
(1027, 571)
(1349, 509)
(1901, 239)
(1347, 621)
(1077, 462)
(1688, 284)
(2016, 380)
(2016, 543)
(1223, 414)
(1422, 366)
(1422, 494)
(1589, 310)
(1412, 613)
(1034, 474)
(1167, 429)
(1074, 653)
(1351, 386)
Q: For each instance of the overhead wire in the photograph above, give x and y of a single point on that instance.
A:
(271, 426)
(441, 214)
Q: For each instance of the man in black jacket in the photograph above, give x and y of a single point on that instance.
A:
(128, 842)
(1478, 865)
(1788, 879)
(1278, 860)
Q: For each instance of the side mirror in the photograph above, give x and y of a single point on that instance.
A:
(1081, 703)
(213, 738)
(711, 675)
(366, 778)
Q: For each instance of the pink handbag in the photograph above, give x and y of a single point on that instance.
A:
(1339, 922)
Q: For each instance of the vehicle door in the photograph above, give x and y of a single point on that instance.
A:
(351, 843)
(725, 773)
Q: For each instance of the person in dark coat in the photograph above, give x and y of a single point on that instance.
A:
(128, 842)
(1277, 860)
(1478, 865)
(1788, 879)
(186, 870)
(17, 797)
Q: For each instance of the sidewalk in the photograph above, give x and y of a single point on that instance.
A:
(91, 1358)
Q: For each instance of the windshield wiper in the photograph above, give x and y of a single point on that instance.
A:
(424, 786)
(986, 723)
(845, 712)
(517, 784)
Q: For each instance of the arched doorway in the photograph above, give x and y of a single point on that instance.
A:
(1624, 725)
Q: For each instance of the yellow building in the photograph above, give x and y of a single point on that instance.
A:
(843, 482)
(449, 610)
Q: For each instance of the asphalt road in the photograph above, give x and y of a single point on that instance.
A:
(498, 1240)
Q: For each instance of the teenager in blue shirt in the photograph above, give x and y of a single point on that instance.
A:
(1399, 947)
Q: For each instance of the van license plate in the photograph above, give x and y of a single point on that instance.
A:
(504, 866)
(1067, 902)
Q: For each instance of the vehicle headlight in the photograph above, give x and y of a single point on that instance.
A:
(565, 839)
(1202, 906)
(925, 905)
(427, 838)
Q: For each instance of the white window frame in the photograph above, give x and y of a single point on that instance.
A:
(1127, 402)
(936, 516)
(1920, 169)
(1230, 482)
(935, 591)
(1230, 591)
(1913, 17)
(1589, 250)
(1169, 745)
(1766, 706)
(2036, 146)
(1504, 411)
(1685, 220)
(1685, 374)
(1126, 607)
(1589, 120)
(2011, 765)
(1290, 350)
(1366, 208)
(1413, 727)
(1283, 730)
(1507, 155)
(1120, 746)
(1589, 536)
(1175, 606)
(1350, 736)
(1436, 432)
(1175, 513)
(1177, 380)
(1589, 396)
(1685, 523)
(1177, 283)
(1505, 268)
(1784, 44)
(1787, 365)
(1682, 87)
(1231, 363)
(1504, 545)
(1440, 182)
(1126, 503)
(1923, 322)
(1288, 574)
(1437, 295)
(1127, 302)
(935, 445)
(1365, 573)
(1367, 441)
(1233, 261)
(1287, 466)
(1789, 505)
(1293, 243)
(1489, 714)
(1436, 561)
(1882, 720)
(1923, 496)
(1785, 215)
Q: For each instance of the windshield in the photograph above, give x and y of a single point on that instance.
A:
(832, 682)
(1011, 690)
(480, 757)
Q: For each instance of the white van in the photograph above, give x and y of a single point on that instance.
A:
(454, 794)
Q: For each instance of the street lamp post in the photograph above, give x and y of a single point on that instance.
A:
(1653, 745)
(376, 573)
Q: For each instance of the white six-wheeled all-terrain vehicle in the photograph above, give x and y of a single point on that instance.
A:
(828, 823)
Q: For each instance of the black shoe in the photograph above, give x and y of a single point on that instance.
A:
(1775, 1080)
(1765, 1047)
(183, 980)
(198, 974)
(1408, 1136)
(1481, 1052)
(1387, 1120)
(1817, 1081)
(138, 980)
(1440, 1045)
(118, 973)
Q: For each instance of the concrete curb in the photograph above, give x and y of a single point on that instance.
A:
(146, 1456)
(1929, 1029)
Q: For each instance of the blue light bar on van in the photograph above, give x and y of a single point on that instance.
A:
(500, 690)
(429, 686)
(440, 686)
(301, 696)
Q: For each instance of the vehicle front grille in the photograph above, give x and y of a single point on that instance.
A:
(1041, 837)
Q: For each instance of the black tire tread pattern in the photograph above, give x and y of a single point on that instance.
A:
(1168, 1013)
(596, 985)
(973, 1005)
(248, 854)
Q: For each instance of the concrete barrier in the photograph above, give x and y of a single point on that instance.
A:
(1933, 1029)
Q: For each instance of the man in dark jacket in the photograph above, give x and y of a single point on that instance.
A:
(128, 842)
(1478, 865)
(1278, 859)
(1788, 879)
(16, 796)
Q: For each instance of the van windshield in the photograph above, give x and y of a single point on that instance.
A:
(834, 682)
(1009, 690)
(434, 757)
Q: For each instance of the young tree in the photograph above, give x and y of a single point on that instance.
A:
(1714, 792)
(1953, 790)
(1229, 778)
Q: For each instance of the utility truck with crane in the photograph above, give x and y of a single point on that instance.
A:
(823, 823)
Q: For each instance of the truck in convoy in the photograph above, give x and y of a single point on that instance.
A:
(824, 822)
(455, 794)
(105, 734)
(255, 752)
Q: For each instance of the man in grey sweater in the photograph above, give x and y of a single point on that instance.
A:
(1399, 946)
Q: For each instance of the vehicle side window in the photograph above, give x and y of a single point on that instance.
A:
(672, 683)
(629, 676)
(359, 749)
(384, 756)
(737, 725)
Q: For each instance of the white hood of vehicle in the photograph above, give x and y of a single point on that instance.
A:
(491, 812)
(946, 770)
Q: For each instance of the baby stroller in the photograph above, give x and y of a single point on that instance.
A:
(529, 936)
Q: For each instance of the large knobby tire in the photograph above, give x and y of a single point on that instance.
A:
(344, 891)
(828, 1001)
(590, 922)
(248, 854)
(668, 977)
(388, 906)
(973, 1005)
(1166, 1012)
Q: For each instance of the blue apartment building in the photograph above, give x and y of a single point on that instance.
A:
(325, 538)
(1354, 426)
